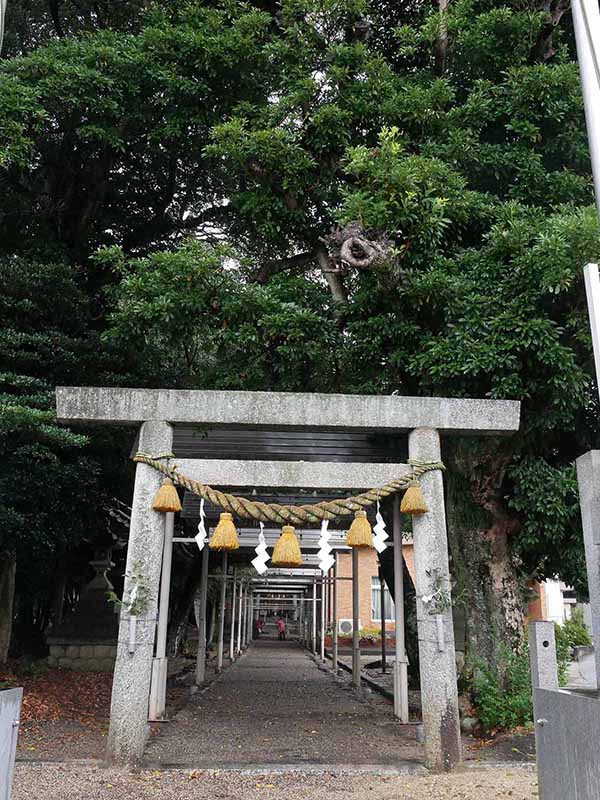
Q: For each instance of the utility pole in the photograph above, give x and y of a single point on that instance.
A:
(2, 21)
(586, 23)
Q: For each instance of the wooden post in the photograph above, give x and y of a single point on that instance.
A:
(201, 654)
(250, 616)
(322, 642)
(334, 617)
(303, 619)
(400, 661)
(314, 618)
(383, 623)
(245, 617)
(355, 621)
(232, 628)
(222, 615)
(158, 685)
(239, 630)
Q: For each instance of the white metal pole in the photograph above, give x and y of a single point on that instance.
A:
(400, 663)
(586, 23)
(222, 617)
(592, 290)
(201, 655)
(2, 21)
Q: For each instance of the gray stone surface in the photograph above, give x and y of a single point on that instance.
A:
(263, 409)
(97, 658)
(439, 695)
(542, 655)
(131, 686)
(10, 711)
(588, 478)
(566, 734)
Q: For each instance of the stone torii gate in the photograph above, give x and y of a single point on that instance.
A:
(154, 411)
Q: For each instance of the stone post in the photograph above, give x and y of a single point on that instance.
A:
(129, 729)
(544, 675)
(542, 656)
(588, 478)
(439, 696)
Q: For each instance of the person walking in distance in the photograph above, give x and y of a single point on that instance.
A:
(281, 629)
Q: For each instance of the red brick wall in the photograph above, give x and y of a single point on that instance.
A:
(368, 568)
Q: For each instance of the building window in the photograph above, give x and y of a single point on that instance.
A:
(388, 603)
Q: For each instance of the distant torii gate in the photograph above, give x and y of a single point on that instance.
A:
(423, 418)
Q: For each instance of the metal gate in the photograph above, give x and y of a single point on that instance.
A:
(10, 711)
(567, 740)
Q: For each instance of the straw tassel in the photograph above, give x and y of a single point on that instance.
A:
(413, 501)
(360, 533)
(225, 535)
(166, 498)
(287, 549)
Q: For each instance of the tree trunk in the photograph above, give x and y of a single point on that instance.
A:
(8, 568)
(182, 607)
(57, 596)
(487, 592)
(441, 42)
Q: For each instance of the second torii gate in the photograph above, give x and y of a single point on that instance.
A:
(154, 411)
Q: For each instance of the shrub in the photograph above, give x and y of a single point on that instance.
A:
(574, 630)
(502, 696)
(372, 635)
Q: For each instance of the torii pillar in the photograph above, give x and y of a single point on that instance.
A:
(422, 418)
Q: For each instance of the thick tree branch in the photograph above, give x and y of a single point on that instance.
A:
(543, 49)
(333, 278)
(270, 268)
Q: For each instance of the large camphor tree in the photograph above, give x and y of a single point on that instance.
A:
(381, 197)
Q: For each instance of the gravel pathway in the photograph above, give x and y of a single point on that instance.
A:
(273, 707)
(86, 782)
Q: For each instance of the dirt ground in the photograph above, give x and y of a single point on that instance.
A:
(87, 782)
(273, 724)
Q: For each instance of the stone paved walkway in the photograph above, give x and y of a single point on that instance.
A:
(274, 706)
